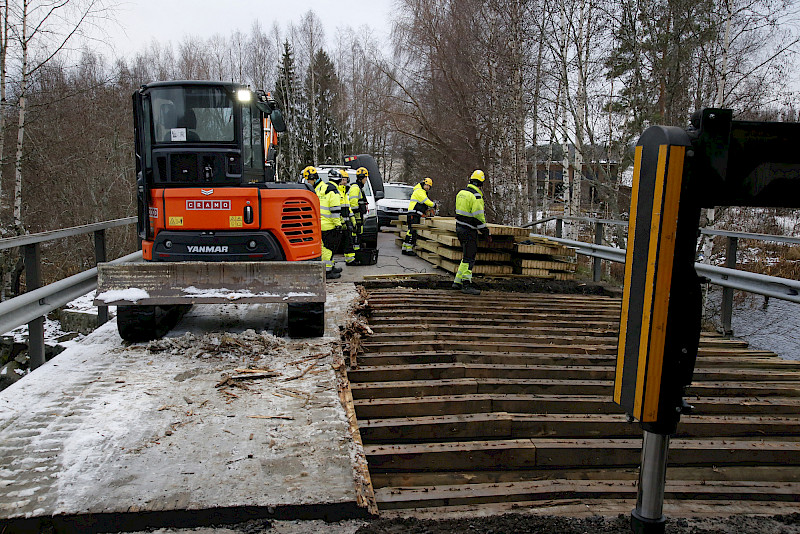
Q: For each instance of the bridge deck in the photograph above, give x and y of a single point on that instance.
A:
(196, 429)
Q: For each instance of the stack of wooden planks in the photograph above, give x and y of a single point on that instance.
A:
(511, 251)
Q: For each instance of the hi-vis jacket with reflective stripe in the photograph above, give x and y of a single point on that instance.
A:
(329, 205)
(469, 208)
(419, 199)
(355, 196)
(345, 204)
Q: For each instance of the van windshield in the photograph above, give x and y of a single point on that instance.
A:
(187, 114)
(400, 192)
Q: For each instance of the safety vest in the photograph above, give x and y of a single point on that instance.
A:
(355, 197)
(344, 202)
(469, 208)
(330, 205)
(419, 199)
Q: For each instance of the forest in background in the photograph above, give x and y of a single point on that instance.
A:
(502, 85)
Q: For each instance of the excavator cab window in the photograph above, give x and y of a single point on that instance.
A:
(192, 114)
(252, 143)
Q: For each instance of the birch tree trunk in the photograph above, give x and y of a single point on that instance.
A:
(17, 215)
(3, 55)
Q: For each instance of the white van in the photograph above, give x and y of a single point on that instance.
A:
(394, 202)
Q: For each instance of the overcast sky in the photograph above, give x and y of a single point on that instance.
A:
(141, 21)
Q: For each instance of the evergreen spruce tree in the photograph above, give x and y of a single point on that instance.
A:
(323, 95)
(290, 162)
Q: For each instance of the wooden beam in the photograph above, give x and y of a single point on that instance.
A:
(548, 490)
(503, 425)
(561, 454)
(556, 404)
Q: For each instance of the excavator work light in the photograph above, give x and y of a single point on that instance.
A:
(244, 95)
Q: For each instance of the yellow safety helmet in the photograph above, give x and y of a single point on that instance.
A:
(310, 173)
(343, 174)
(362, 171)
(427, 181)
(478, 175)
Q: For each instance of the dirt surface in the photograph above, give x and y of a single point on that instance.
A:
(509, 524)
(526, 524)
(517, 284)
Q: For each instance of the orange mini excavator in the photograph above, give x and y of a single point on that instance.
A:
(215, 225)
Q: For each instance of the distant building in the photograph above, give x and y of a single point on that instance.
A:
(599, 179)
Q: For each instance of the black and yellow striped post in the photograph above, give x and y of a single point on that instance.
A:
(659, 327)
(716, 162)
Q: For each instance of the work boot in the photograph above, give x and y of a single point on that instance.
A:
(409, 253)
(331, 275)
(336, 269)
(457, 286)
(468, 289)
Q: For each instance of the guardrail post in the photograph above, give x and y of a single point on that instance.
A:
(597, 263)
(559, 227)
(33, 280)
(727, 292)
(99, 257)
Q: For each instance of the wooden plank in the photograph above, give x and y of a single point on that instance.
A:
(471, 386)
(438, 477)
(564, 404)
(440, 371)
(499, 424)
(587, 507)
(564, 371)
(201, 282)
(546, 248)
(545, 264)
(467, 386)
(388, 324)
(561, 454)
(457, 254)
(578, 489)
(365, 492)
(478, 268)
(501, 335)
(449, 224)
(552, 358)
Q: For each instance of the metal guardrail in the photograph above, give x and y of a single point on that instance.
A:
(728, 277)
(41, 237)
(32, 306)
(39, 302)
(770, 286)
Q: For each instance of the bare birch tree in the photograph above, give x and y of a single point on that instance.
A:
(42, 30)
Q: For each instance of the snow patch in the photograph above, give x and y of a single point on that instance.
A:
(133, 294)
(224, 293)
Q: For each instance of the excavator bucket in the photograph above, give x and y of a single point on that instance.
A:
(151, 295)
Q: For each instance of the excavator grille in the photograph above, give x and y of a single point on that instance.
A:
(297, 221)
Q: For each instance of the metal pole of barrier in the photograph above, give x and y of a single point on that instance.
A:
(33, 280)
(648, 517)
(597, 263)
(559, 227)
(100, 257)
(727, 292)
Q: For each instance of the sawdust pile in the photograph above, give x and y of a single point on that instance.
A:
(246, 348)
